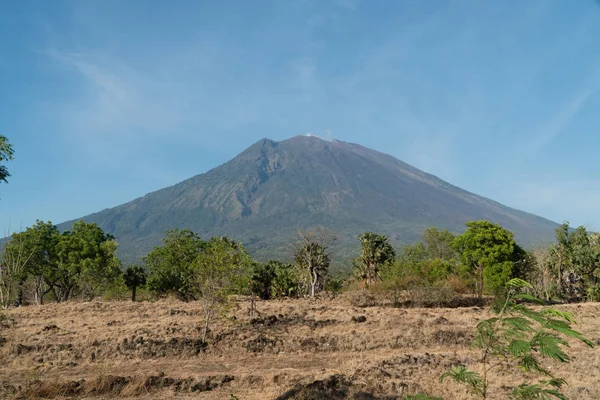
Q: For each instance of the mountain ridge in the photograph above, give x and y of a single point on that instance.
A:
(272, 188)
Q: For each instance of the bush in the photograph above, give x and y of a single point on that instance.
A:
(285, 281)
(261, 280)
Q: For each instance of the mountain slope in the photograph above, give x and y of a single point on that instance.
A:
(270, 190)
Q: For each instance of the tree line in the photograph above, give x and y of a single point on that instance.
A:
(42, 264)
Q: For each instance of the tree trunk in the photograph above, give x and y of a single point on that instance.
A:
(252, 305)
(133, 289)
(479, 283)
(207, 316)
(313, 283)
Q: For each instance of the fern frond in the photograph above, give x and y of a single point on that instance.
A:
(564, 328)
(519, 323)
(549, 346)
(519, 348)
(531, 392)
(518, 283)
(462, 375)
(528, 297)
(567, 316)
(529, 363)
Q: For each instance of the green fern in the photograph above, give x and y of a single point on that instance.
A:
(522, 337)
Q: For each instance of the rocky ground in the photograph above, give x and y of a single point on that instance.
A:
(328, 348)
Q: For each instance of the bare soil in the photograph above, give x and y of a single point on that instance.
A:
(294, 349)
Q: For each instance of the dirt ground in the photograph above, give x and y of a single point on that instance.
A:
(295, 349)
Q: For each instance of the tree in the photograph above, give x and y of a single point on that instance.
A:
(41, 242)
(311, 257)
(261, 279)
(439, 243)
(6, 154)
(561, 254)
(171, 265)
(86, 261)
(134, 277)
(222, 268)
(574, 260)
(14, 256)
(375, 251)
(521, 337)
(285, 280)
(488, 253)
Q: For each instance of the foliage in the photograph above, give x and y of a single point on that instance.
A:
(6, 154)
(285, 280)
(312, 258)
(488, 254)
(221, 269)
(520, 336)
(86, 260)
(82, 260)
(134, 277)
(41, 243)
(261, 280)
(438, 243)
(171, 265)
(571, 266)
(14, 256)
(375, 251)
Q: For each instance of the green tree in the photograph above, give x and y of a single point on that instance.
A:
(375, 251)
(221, 269)
(521, 337)
(439, 243)
(561, 256)
(261, 279)
(86, 261)
(41, 242)
(285, 280)
(6, 154)
(134, 276)
(312, 259)
(14, 257)
(171, 265)
(409, 262)
(488, 253)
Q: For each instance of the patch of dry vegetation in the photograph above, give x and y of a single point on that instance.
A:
(324, 348)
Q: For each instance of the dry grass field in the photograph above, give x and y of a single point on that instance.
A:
(295, 349)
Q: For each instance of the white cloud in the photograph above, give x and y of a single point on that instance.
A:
(560, 199)
(558, 123)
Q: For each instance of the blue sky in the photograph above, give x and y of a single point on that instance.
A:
(108, 100)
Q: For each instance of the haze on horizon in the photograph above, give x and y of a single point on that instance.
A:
(107, 101)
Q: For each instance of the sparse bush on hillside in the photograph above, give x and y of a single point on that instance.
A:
(221, 269)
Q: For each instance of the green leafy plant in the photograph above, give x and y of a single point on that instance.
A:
(134, 277)
(520, 336)
(6, 154)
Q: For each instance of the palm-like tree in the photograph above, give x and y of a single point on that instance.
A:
(375, 251)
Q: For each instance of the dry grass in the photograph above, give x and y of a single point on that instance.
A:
(152, 350)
